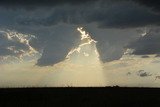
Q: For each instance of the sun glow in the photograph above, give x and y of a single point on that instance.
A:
(86, 52)
(82, 66)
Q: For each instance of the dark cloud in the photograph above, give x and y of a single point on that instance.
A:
(153, 4)
(42, 2)
(5, 52)
(53, 55)
(107, 14)
(14, 44)
(129, 73)
(149, 3)
(116, 15)
(145, 56)
(60, 39)
(158, 55)
(148, 44)
(142, 73)
(42, 17)
(58, 44)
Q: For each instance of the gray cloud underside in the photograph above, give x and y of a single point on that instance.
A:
(54, 25)
(109, 15)
(149, 44)
(150, 3)
(42, 2)
(34, 3)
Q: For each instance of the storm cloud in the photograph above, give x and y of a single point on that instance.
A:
(148, 44)
(42, 2)
(150, 3)
(15, 45)
(107, 14)
(54, 23)
(118, 15)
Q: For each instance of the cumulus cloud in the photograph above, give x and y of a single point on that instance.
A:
(15, 45)
(72, 74)
(147, 44)
(145, 56)
(142, 73)
(47, 20)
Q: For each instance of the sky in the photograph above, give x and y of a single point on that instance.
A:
(79, 43)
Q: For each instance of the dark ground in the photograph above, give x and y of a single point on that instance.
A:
(85, 97)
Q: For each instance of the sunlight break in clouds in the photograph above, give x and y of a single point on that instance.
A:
(82, 66)
(86, 52)
(16, 46)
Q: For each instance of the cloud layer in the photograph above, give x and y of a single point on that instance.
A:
(15, 45)
(54, 23)
(105, 14)
(147, 44)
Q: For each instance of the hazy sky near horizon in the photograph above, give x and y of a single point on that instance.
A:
(44, 32)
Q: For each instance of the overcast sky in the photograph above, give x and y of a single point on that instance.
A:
(41, 46)
(115, 24)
